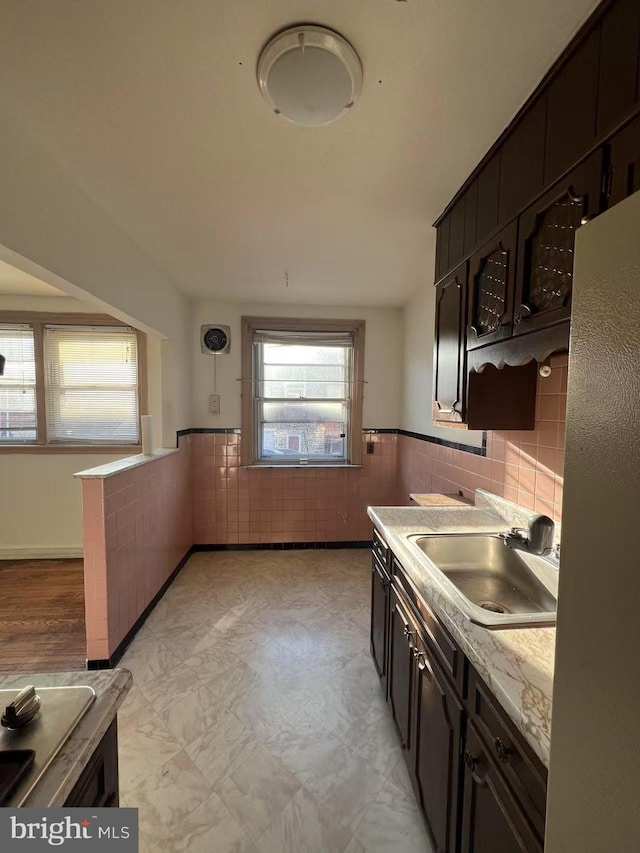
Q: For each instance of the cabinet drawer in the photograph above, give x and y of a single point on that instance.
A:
(523, 771)
(380, 549)
(443, 645)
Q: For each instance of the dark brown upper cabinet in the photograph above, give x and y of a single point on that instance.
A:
(571, 109)
(442, 248)
(470, 217)
(491, 289)
(522, 161)
(449, 348)
(456, 232)
(619, 58)
(488, 199)
(546, 239)
(624, 163)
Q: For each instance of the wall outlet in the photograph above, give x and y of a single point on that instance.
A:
(214, 404)
(370, 447)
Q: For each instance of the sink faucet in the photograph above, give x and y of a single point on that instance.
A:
(537, 538)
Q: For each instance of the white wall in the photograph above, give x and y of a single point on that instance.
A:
(51, 229)
(417, 397)
(40, 503)
(383, 359)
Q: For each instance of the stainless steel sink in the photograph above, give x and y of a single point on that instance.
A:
(496, 585)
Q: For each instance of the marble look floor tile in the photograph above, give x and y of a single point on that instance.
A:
(164, 690)
(148, 658)
(257, 791)
(192, 715)
(142, 749)
(211, 828)
(266, 703)
(167, 796)
(392, 824)
(134, 711)
(219, 752)
(304, 826)
(354, 846)
(263, 708)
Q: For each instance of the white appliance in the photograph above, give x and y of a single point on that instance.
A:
(594, 781)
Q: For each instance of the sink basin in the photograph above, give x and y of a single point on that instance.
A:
(494, 584)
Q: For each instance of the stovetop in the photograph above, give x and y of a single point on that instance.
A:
(61, 710)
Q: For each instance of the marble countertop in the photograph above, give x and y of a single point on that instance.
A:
(101, 472)
(517, 664)
(111, 687)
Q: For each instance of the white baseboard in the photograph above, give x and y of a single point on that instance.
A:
(41, 553)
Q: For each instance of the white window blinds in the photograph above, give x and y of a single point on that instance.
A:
(18, 417)
(91, 378)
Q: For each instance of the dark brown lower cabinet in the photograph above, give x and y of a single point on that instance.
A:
(98, 785)
(379, 616)
(401, 645)
(438, 717)
(492, 820)
(480, 787)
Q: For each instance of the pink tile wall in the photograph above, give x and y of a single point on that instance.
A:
(525, 467)
(137, 528)
(233, 505)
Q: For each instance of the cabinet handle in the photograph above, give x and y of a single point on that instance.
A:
(470, 760)
(502, 751)
(408, 634)
(524, 312)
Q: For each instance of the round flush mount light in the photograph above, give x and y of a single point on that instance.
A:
(310, 75)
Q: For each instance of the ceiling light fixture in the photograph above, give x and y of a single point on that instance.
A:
(310, 75)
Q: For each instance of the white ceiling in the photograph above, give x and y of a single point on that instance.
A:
(14, 282)
(152, 106)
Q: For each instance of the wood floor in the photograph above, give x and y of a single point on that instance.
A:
(41, 616)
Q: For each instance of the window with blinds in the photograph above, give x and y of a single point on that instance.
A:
(18, 408)
(91, 385)
(302, 396)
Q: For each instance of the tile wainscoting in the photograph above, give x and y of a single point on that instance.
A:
(235, 506)
(523, 466)
(137, 527)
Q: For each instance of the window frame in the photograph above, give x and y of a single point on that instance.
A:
(37, 320)
(249, 325)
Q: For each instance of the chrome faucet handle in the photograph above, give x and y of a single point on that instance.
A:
(540, 529)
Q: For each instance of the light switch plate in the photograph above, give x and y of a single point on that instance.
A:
(214, 404)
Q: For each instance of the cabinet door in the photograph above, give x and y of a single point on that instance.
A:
(379, 616)
(401, 645)
(492, 277)
(470, 217)
(546, 239)
(456, 232)
(492, 821)
(442, 248)
(449, 348)
(624, 163)
(488, 199)
(522, 161)
(619, 48)
(571, 109)
(438, 728)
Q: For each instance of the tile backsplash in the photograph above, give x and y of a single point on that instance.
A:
(525, 467)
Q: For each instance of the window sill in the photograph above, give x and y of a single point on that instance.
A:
(316, 466)
(85, 449)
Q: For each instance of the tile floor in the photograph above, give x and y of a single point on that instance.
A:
(256, 720)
